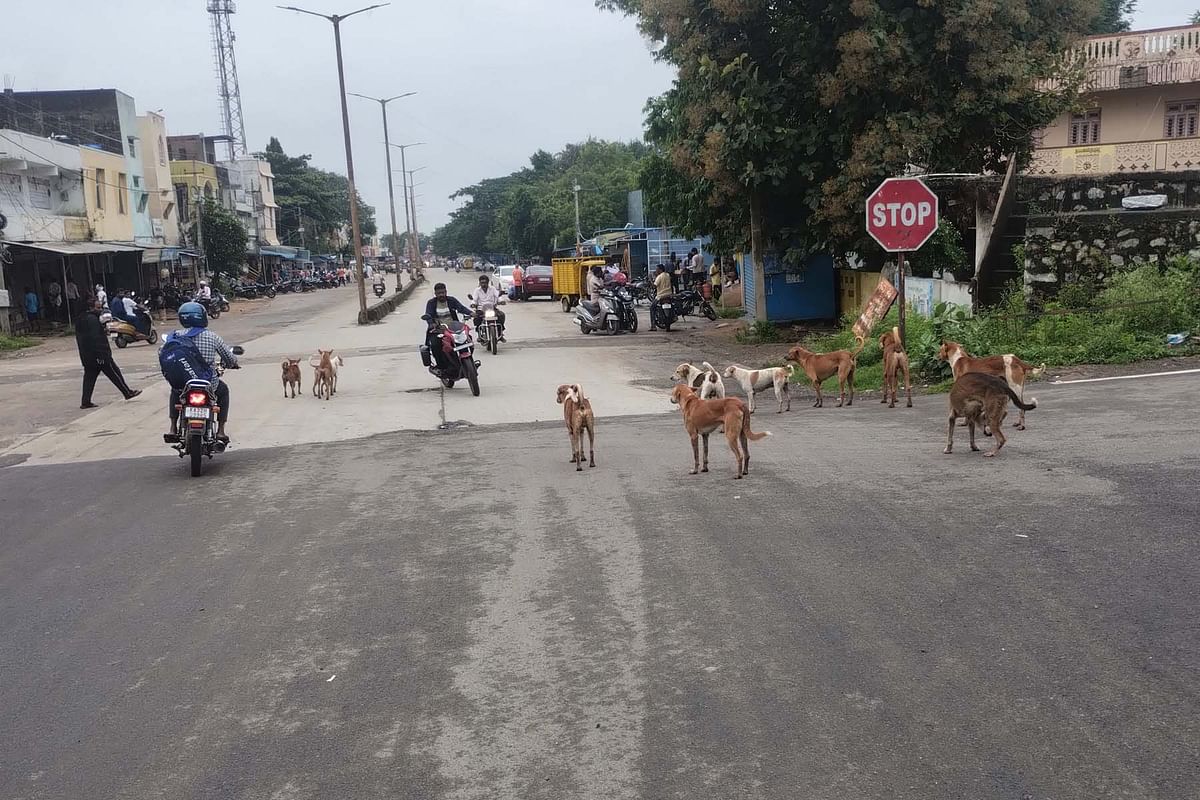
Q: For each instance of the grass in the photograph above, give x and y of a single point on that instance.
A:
(15, 342)
(760, 332)
(733, 312)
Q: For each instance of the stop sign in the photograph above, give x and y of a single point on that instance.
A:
(902, 214)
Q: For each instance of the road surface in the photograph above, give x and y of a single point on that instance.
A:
(390, 610)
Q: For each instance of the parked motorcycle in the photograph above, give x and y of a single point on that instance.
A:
(458, 355)
(488, 325)
(687, 303)
(642, 292)
(198, 412)
(615, 312)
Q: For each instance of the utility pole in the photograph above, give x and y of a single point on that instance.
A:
(578, 231)
(391, 190)
(408, 224)
(415, 237)
(336, 20)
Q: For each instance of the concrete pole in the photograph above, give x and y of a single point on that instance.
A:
(354, 229)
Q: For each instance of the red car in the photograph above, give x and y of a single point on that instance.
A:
(538, 281)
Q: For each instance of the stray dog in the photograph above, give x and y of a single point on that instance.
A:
(1012, 369)
(754, 381)
(291, 376)
(704, 379)
(895, 361)
(702, 417)
(982, 398)
(323, 376)
(820, 366)
(334, 363)
(577, 411)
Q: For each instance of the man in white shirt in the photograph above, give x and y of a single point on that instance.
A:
(697, 265)
(205, 291)
(487, 295)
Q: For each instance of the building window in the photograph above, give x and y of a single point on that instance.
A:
(122, 188)
(1182, 119)
(143, 201)
(162, 152)
(10, 185)
(39, 193)
(1085, 128)
(132, 146)
(100, 187)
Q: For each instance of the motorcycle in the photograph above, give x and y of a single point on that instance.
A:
(198, 413)
(642, 291)
(458, 353)
(488, 325)
(686, 303)
(614, 313)
(212, 305)
(379, 287)
(124, 333)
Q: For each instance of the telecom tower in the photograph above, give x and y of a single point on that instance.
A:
(227, 80)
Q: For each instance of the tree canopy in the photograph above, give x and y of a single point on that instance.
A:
(315, 196)
(527, 211)
(1114, 16)
(801, 109)
(224, 238)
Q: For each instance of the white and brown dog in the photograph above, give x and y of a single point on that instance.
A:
(704, 379)
(334, 363)
(577, 412)
(754, 381)
(1013, 370)
(323, 375)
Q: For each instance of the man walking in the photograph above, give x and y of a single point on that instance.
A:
(95, 354)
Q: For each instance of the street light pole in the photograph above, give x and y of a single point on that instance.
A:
(404, 179)
(391, 190)
(336, 20)
(416, 231)
(578, 231)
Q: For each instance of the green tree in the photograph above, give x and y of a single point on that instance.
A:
(1195, 18)
(798, 110)
(1114, 16)
(224, 238)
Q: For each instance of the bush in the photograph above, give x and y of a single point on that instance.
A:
(760, 332)
(16, 342)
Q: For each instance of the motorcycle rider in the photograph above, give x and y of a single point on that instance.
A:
(136, 313)
(204, 292)
(662, 290)
(441, 309)
(213, 348)
(595, 282)
(487, 295)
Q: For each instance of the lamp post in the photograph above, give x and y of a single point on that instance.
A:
(404, 178)
(383, 101)
(416, 231)
(336, 21)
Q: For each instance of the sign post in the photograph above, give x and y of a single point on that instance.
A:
(901, 215)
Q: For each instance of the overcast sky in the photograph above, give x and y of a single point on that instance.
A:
(496, 79)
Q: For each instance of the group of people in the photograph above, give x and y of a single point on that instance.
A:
(57, 305)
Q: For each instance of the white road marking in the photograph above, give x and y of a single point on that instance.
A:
(1127, 377)
(331, 677)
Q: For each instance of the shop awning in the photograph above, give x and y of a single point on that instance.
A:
(286, 253)
(78, 248)
(154, 255)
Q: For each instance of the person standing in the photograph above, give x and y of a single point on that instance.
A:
(32, 308)
(518, 278)
(673, 272)
(95, 353)
(697, 268)
(101, 295)
(72, 298)
(714, 279)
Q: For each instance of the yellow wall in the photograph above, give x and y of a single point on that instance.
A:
(197, 174)
(108, 223)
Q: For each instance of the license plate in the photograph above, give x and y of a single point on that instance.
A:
(193, 412)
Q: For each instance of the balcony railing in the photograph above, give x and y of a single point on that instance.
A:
(1136, 59)
(1165, 155)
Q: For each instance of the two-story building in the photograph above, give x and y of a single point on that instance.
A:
(164, 217)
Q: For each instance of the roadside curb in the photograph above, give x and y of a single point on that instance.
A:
(378, 311)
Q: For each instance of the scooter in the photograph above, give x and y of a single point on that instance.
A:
(614, 313)
(198, 412)
(458, 355)
(124, 333)
(379, 287)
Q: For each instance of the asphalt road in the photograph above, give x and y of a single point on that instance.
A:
(461, 615)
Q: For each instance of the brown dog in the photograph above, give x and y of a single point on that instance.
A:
(982, 398)
(702, 417)
(577, 411)
(895, 361)
(291, 376)
(820, 366)
(1012, 369)
(323, 375)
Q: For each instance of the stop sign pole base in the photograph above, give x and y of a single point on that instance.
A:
(900, 296)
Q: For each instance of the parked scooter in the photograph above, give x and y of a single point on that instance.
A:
(457, 360)
(615, 312)
(198, 412)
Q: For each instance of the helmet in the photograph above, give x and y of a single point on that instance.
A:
(204, 283)
(193, 315)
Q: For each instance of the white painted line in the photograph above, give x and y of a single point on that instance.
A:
(1127, 377)
(331, 677)
(1022, 535)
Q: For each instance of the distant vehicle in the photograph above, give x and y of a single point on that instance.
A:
(539, 281)
(504, 277)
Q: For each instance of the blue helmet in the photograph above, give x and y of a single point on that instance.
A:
(193, 315)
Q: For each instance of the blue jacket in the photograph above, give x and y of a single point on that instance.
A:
(456, 308)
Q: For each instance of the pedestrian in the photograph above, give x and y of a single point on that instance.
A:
(697, 265)
(518, 278)
(673, 271)
(101, 295)
(32, 308)
(95, 353)
(715, 279)
(73, 308)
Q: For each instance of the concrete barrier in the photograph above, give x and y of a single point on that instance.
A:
(387, 305)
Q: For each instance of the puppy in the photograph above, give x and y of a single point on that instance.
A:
(702, 417)
(577, 411)
(982, 398)
(1012, 369)
(291, 376)
(704, 379)
(323, 375)
(820, 366)
(895, 361)
(754, 381)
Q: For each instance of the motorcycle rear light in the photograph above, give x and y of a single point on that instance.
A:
(197, 399)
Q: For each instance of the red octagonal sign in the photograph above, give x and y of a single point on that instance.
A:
(902, 214)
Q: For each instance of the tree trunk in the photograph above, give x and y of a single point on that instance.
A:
(757, 245)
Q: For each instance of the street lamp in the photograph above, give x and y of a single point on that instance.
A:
(578, 232)
(404, 177)
(336, 20)
(383, 101)
(416, 231)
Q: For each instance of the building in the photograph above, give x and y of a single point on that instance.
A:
(41, 189)
(107, 195)
(97, 119)
(164, 217)
(1141, 112)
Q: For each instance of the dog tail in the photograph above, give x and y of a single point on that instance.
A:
(708, 367)
(791, 369)
(861, 343)
(749, 434)
(578, 390)
(1016, 398)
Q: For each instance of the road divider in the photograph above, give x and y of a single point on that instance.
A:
(378, 311)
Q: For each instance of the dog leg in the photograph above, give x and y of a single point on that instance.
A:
(817, 386)
(695, 454)
(971, 430)
(705, 435)
(997, 433)
(950, 433)
(779, 397)
(750, 396)
(907, 384)
(787, 392)
(1020, 423)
